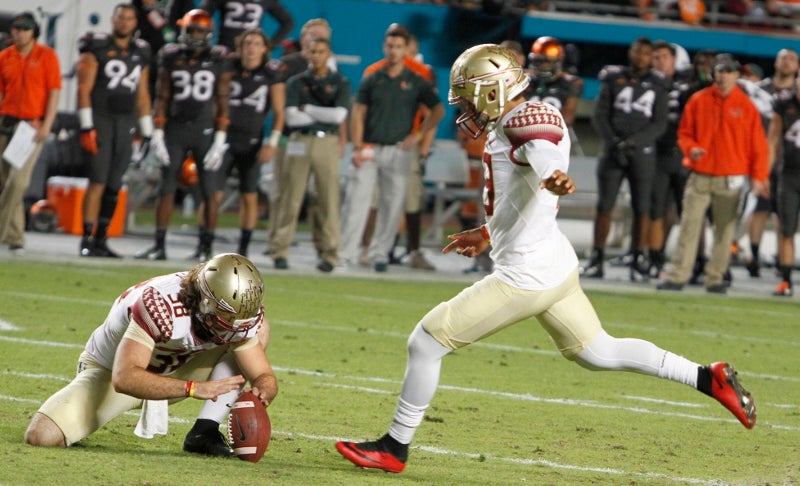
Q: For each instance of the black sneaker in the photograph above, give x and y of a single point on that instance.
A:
(667, 285)
(639, 271)
(753, 268)
(622, 260)
(325, 266)
(281, 263)
(717, 289)
(87, 245)
(152, 253)
(211, 443)
(381, 267)
(101, 249)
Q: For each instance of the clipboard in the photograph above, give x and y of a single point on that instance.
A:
(21, 145)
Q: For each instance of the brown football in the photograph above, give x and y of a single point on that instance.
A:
(249, 428)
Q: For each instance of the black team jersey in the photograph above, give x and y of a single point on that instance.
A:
(629, 106)
(555, 90)
(193, 79)
(118, 72)
(789, 111)
(250, 96)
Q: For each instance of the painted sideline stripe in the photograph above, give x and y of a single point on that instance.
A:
(470, 455)
(7, 326)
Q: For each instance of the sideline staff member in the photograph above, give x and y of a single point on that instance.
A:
(30, 84)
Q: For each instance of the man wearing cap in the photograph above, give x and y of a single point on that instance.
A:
(30, 84)
(723, 142)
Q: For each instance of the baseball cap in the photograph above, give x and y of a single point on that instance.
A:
(725, 62)
(752, 69)
(24, 21)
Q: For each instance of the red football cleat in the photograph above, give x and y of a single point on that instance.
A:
(370, 455)
(725, 387)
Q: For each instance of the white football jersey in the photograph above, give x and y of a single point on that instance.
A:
(153, 305)
(529, 250)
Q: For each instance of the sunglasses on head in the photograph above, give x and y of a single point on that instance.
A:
(724, 69)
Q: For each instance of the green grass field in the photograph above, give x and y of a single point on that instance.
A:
(509, 410)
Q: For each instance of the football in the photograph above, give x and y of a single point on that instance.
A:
(249, 428)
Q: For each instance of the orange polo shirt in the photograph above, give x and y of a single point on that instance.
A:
(26, 81)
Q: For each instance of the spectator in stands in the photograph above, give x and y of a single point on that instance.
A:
(317, 102)
(723, 142)
(258, 88)
(670, 175)
(108, 111)
(781, 86)
(785, 119)
(383, 139)
(237, 16)
(630, 114)
(30, 85)
(190, 119)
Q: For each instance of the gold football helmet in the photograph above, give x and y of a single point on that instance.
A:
(231, 294)
(546, 57)
(482, 80)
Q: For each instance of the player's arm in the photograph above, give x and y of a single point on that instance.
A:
(277, 103)
(163, 94)
(131, 377)
(774, 137)
(254, 363)
(284, 19)
(570, 109)
(221, 101)
(86, 74)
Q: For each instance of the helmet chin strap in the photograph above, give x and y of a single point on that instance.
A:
(205, 306)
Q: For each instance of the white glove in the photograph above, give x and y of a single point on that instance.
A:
(213, 159)
(158, 148)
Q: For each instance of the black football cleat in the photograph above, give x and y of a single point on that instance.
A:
(210, 443)
(87, 245)
(370, 455)
(593, 270)
(152, 253)
(101, 249)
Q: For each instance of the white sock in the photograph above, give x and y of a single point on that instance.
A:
(217, 411)
(419, 385)
(637, 355)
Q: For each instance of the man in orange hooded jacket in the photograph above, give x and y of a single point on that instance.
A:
(723, 142)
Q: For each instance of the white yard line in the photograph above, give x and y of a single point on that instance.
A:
(472, 455)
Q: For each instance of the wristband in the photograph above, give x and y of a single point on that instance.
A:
(274, 138)
(146, 126)
(85, 118)
(222, 122)
(485, 234)
(219, 137)
(190, 386)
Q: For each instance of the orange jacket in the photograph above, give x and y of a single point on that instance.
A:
(729, 129)
(26, 82)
